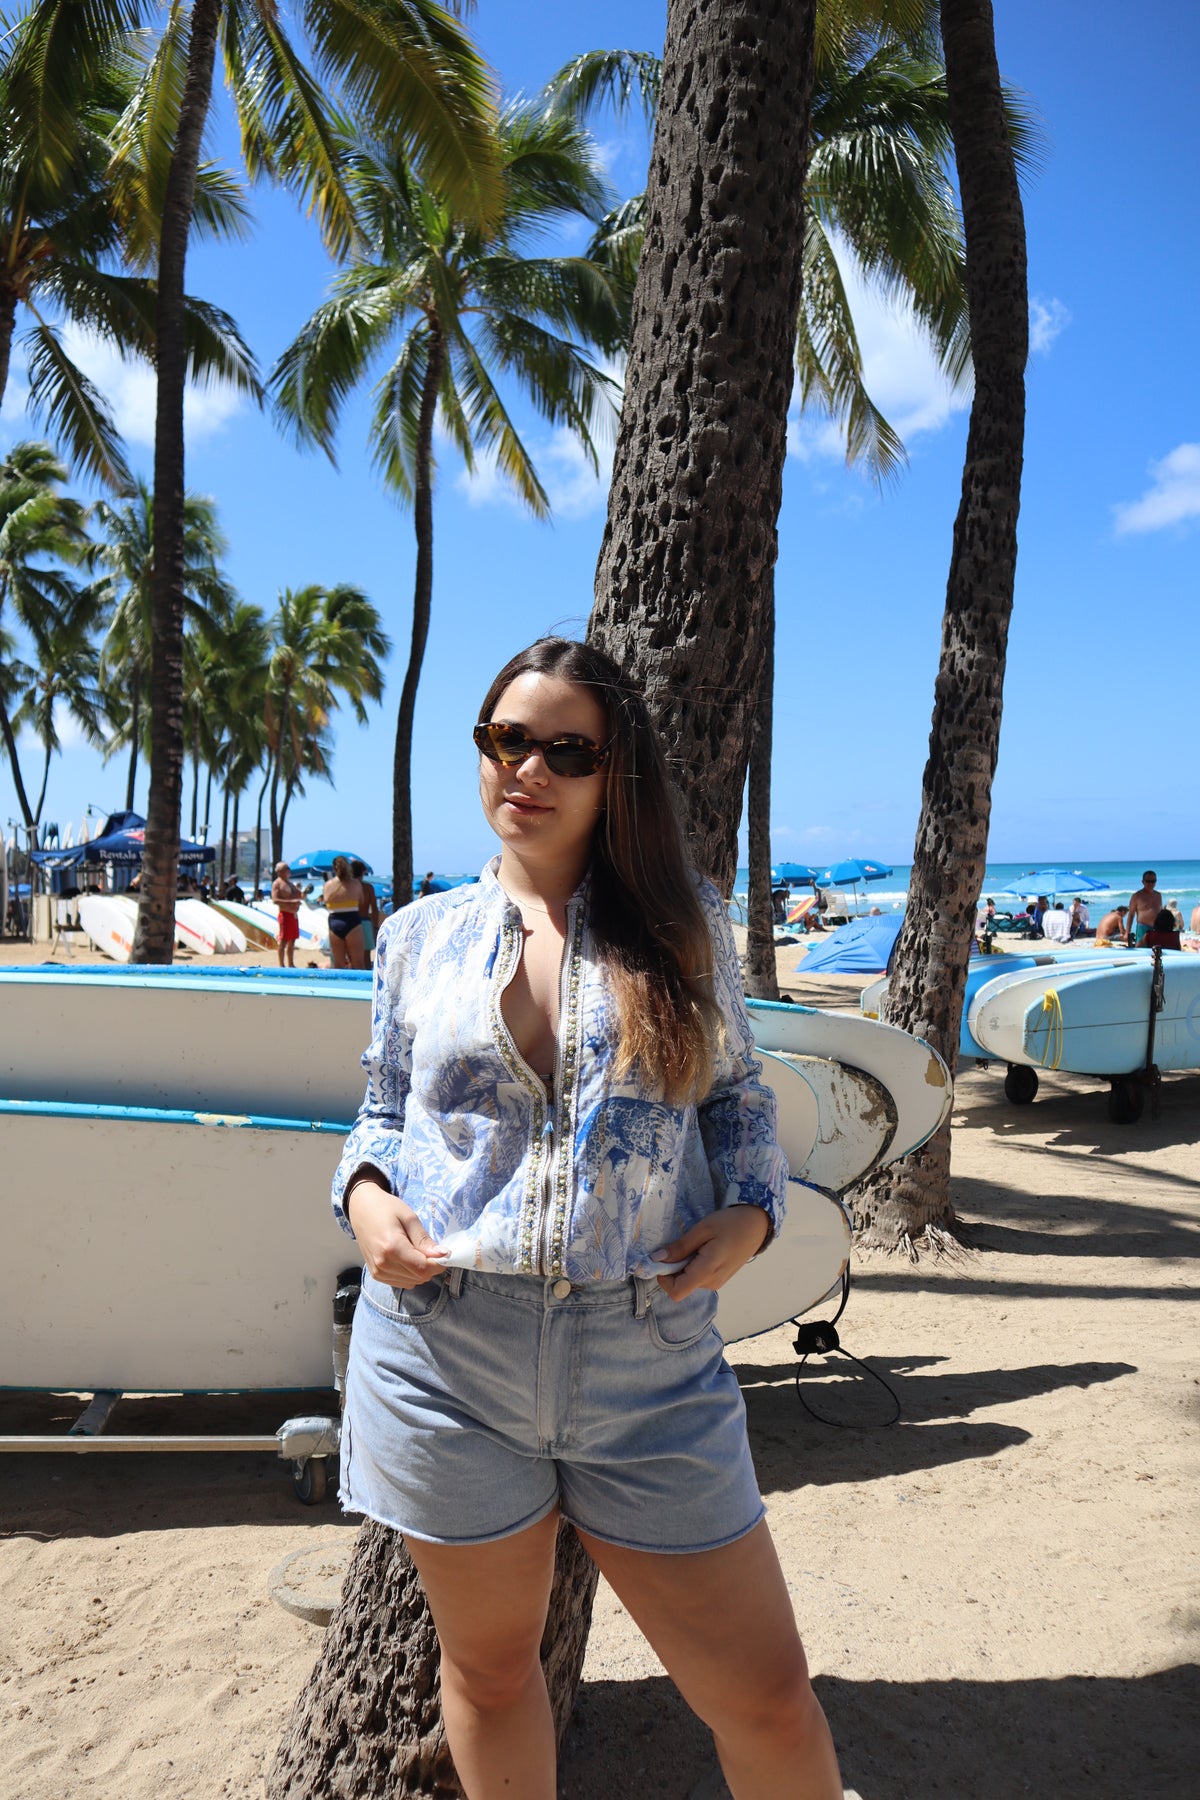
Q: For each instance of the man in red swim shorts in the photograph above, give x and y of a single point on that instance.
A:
(287, 897)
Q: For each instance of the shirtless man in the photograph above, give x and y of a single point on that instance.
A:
(1112, 925)
(1144, 908)
(287, 897)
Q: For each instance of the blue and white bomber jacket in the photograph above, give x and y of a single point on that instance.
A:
(463, 1130)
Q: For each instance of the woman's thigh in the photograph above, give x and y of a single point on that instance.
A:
(489, 1601)
(356, 948)
(720, 1621)
(337, 952)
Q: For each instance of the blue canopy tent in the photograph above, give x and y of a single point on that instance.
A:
(861, 948)
(123, 842)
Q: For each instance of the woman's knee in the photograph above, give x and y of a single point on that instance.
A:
(491, 1677)
(778, 1698)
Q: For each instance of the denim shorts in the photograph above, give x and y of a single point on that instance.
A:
(477, 1403)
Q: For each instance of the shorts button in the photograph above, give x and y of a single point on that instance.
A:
(561, 1288)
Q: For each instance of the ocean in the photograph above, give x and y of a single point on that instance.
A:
(1178, 881)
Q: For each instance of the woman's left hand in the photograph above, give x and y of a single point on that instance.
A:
(718, 1246)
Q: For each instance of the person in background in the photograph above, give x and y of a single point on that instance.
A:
(232, 891)
(1056, 924)
(986, 927)
(1112, 925)
(370, 924)
(779, 897)
(1079, 918)
(1037, 913)
(286, 896)
(426, 886)
(1163, 934)
(1176, 912)
(1144, 908)
(343, 895)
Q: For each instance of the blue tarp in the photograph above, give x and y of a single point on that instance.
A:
(860, 948)
(123, 840)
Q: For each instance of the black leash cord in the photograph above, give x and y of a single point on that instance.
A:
(820, 1338)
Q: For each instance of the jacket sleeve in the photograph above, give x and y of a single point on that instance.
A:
(738, 1116)
(374, 1138)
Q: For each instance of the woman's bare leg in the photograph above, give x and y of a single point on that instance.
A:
(489, 1604)
(722, 1623)
(338, 959)
(356, 952)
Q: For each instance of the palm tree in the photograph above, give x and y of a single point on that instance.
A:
(925, 992)
(66, 231)
(325, 645)
(124, 556)
(41, 529)
(458, 308)
(395, 60)
(62, 678)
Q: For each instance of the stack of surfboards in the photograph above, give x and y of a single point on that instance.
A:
(110, 921)
(198, 1115)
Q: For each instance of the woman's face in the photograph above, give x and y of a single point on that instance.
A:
(542, 816)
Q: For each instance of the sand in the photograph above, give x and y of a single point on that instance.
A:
(998, 1593)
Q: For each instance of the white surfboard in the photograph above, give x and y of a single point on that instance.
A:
(230, 937)
(792, 1275)
(856, 1127)
(193, 928)
(314, 921)
(1095, 1021)
(255, 927)
(108, 924)
(910, 1069)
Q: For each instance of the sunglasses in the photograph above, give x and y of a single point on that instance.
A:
(510, 746)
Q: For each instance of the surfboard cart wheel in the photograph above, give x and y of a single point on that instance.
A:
(1126, 1099)
(1020, 1084)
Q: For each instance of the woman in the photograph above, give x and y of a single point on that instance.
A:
(370, 907)
(562, 1154)
(343, 896)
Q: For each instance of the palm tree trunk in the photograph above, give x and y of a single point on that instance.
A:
(135, 702)
(154, 938)
(925, 993)
(402, 844)
(761, 978)
(10, 744)
(258, 828)
(208, 781)
(195, 783)
(690, 541)
(224, 830)
(233, 848)
(8, 321)
(37, 811)
(368, 1725)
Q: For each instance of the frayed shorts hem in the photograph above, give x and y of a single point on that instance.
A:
(720, 1543)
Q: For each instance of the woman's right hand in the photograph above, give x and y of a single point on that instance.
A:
(396, 1247)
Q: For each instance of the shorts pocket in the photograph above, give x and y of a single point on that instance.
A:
(679, 1324)
(407, 1306)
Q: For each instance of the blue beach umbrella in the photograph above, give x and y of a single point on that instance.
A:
(850, 872)
(789, 871)
(1051, 882)
(320, 862)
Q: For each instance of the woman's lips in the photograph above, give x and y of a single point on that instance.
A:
(520, 803)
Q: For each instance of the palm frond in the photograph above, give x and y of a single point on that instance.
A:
(74, 409)
(607, 77)
(331, 353)
(493, 429)
(395, 412)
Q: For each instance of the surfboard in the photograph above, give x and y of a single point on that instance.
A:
(1094, 1021)
(910, 1069)
(856, 1122)
(792, 1275)
(3, 887)
(108, 924)
(193, 929)
(798, 1116)
(254, 926)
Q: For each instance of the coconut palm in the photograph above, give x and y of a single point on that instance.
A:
(43, 533)
(122, 557)
(325, 646)
(61, 680)
(455, 311)
(66, 235)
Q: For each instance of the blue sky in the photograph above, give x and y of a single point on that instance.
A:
(1097, 756)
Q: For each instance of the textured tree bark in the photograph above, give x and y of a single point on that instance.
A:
(925, 993)
(690, 542)
(369, 1721)
(8, 323)
(10, 744)
(761, 978)
(155, 935)
(402, 844)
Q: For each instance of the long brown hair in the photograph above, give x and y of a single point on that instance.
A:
(646, 916)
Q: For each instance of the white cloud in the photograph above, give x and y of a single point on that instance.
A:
(900, 372)
(1172, 498)
(1047, 319)
(129, 387)
(572, 486)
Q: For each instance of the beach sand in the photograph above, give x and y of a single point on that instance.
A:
(997, 1594)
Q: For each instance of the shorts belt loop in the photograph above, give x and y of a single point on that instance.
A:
(643, 1294)
(454, 1281)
